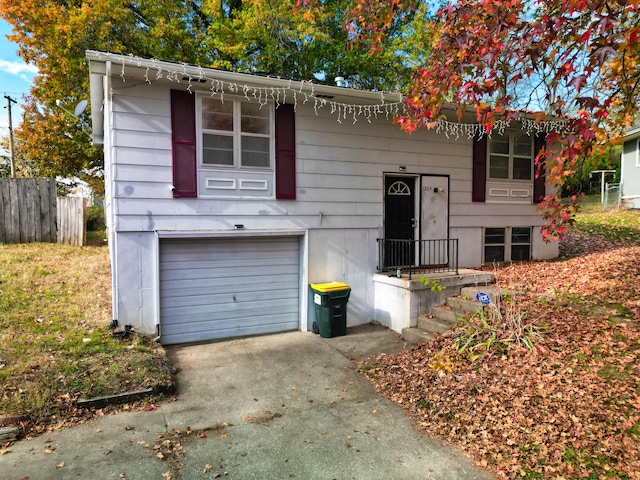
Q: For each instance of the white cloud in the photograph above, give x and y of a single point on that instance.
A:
(17, 68)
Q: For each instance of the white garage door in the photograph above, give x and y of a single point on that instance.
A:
(212, 288)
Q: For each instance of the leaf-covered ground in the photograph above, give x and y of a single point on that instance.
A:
(570, 408)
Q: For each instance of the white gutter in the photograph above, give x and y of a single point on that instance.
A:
(632, 134)
(196, 72)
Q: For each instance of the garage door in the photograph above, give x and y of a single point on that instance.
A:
(211, 289)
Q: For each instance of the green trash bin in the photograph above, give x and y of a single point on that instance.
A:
(330, 301)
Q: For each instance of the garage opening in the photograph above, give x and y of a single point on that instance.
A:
(222, 288)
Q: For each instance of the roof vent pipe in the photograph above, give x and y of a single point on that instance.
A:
(339, 81)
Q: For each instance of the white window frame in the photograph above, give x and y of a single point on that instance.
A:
(510, 156)
(236, 134)
(508, 243)
(638, 152)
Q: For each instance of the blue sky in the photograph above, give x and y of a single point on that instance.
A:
(15, 79)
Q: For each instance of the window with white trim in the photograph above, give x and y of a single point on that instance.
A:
(638, 153)
(235, 134)
(511, 157)
(507, 244)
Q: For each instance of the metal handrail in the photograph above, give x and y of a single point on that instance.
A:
(413, 256)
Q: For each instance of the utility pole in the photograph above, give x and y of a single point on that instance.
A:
(11, 155)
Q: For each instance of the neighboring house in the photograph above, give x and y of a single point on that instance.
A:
(630, 168)
(227, 194)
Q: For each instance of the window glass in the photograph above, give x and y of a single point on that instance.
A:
(511, 156)
(498, 167)
(217, 149)
(493, 254)
(493, 235)
(520, 235)
(520, 243)
(235, 133)
(255, 152)
(217, 115)
(522, 168)
(499, 145)
(494, 239)
(520, 253)
(254, 119)
(522, 145)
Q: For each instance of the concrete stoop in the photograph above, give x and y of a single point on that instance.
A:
(442, 318)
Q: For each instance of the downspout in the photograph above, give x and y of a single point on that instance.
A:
(112, 217)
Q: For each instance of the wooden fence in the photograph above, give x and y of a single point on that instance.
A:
(31, 212)
(72, 220)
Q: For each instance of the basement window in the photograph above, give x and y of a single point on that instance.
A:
(507, 244)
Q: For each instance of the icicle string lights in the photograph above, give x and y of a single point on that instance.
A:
(304, 91)
(471, 130)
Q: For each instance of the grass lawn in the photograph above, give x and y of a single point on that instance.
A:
(55, 342)
(616, 226)
(563, 403)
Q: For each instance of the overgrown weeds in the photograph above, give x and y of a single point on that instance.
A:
(495, 328)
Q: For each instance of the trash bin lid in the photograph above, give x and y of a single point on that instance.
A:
(330, 287)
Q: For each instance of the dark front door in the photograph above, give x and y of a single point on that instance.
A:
(399, 221)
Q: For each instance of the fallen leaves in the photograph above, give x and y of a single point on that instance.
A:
(567, 409)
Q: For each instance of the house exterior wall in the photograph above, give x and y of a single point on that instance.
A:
(339, 205)
(630, 165)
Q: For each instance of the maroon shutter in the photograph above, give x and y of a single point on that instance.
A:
(183, 143)
(285, 153)
(539, 179)
(479, 185)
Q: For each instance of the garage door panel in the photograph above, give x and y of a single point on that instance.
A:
(183, 336)
(264, 298)
(252, 272)
(205, 321)
(207, 325)
(224, 286)
(211, 289)
(227, 262)
(221, 249)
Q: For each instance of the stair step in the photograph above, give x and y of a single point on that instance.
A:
(435, 324)
(495, 293)
(445, 314)
(463, 305)
(416, 335)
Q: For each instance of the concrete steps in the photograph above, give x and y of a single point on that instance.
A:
(443, 318)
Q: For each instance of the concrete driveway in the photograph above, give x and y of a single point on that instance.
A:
(274, 407)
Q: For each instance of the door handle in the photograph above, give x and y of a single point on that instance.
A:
(414, 222)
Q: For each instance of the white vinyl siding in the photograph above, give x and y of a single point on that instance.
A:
(339, 172)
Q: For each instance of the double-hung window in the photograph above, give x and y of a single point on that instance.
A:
(511, 157)
(236, 133)
(236, 147)
(232, 148)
